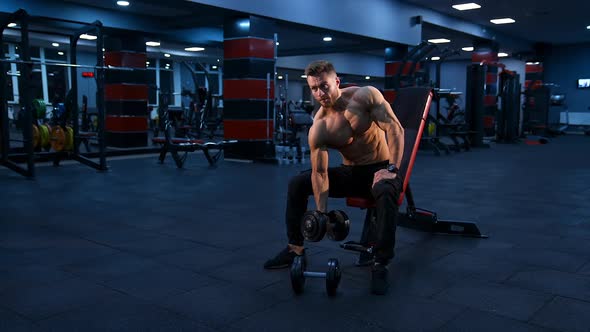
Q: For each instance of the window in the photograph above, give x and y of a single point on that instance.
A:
(56, 83)
(55, 54)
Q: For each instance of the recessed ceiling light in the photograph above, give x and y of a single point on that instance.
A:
(123, 3)
(55, 44)
(327, 39)
(467, 49)
(588, 27)
(152, 43)
(167, 55)
(435, 58)
(213, 67)
(147, 62)
(502, 54)
(11, 25)
(502, 20)
(466, 6)
(367, 77)
(87, 36)
(277, 43)
(60, 53)
(194, 49)
(439, 40)
(280, 77)
(303, 76)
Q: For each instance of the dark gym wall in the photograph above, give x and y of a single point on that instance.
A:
(563, 66)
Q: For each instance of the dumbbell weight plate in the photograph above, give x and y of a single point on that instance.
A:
(333, 276)
(338, 225)
(297, 277)
(313, 226)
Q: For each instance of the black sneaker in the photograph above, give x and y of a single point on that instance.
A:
(379, 279)
(282, 260)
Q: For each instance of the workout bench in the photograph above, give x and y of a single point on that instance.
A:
(411, 107)
(178, 145)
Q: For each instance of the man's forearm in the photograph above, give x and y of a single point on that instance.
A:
(320, 185)
(395, 143)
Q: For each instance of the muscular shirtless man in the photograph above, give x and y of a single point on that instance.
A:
(360, 124)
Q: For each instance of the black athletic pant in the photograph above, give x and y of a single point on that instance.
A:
(349, 181)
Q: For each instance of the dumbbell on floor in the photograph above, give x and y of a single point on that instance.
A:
(316, 224)
(298, 275)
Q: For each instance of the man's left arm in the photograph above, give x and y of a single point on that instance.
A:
(382, 114)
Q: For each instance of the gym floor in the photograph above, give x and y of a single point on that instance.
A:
(148, 247)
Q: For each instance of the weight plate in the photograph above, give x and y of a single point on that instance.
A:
(297, 277)
(36, 137)
(58, 138)
(69, 138)
(333, 276)
(338, 225)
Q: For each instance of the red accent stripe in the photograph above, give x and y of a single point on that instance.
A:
(121, 91)
(489, 100)
(247, 129)
(246, 89)
(391, 68)
(126, 123)
(407, 67)
(125, 59)
(491, 78)
(400, 200)
(249, 48)
(484, 56)
(488, 121)
(533, 69)
(359, 202)
(390, 95)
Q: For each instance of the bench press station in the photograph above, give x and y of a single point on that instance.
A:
(411, 107)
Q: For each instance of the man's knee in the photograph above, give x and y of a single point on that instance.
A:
(386, 188)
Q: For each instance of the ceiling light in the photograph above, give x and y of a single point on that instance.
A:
(55, 44)
(11, 25)
(60, 53)
(327, 39)
(87, 36)
(435, 58)
(367, 77)
(502, 54)
(280, 77)
(466, 6)
(439, 40)
(123, 3)
(502, 20)
(213, 67)
(147, 62)
(152, 43)
(468, 48)
(277, 43)
(588, 27)
(303, 76)
(194, 49)
(167, 55)
(244, 24)
(217, 60)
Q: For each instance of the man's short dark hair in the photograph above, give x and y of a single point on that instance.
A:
(318, 67)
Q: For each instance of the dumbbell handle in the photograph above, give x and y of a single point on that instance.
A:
(314, 274)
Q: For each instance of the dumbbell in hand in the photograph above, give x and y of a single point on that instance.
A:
(298, 275)
(316, 224)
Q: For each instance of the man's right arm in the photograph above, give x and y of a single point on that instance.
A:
(319, 165)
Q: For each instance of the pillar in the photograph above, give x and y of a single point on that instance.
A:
(126, 92)
(393, 70)
(249, 56)
(486, 52)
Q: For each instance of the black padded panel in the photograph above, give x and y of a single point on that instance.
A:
(411, 107)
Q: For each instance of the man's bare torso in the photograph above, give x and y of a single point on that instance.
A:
(352, 131)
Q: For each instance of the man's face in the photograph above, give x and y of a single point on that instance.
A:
(324, 88)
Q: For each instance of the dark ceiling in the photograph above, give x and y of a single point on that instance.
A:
(536, 21)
